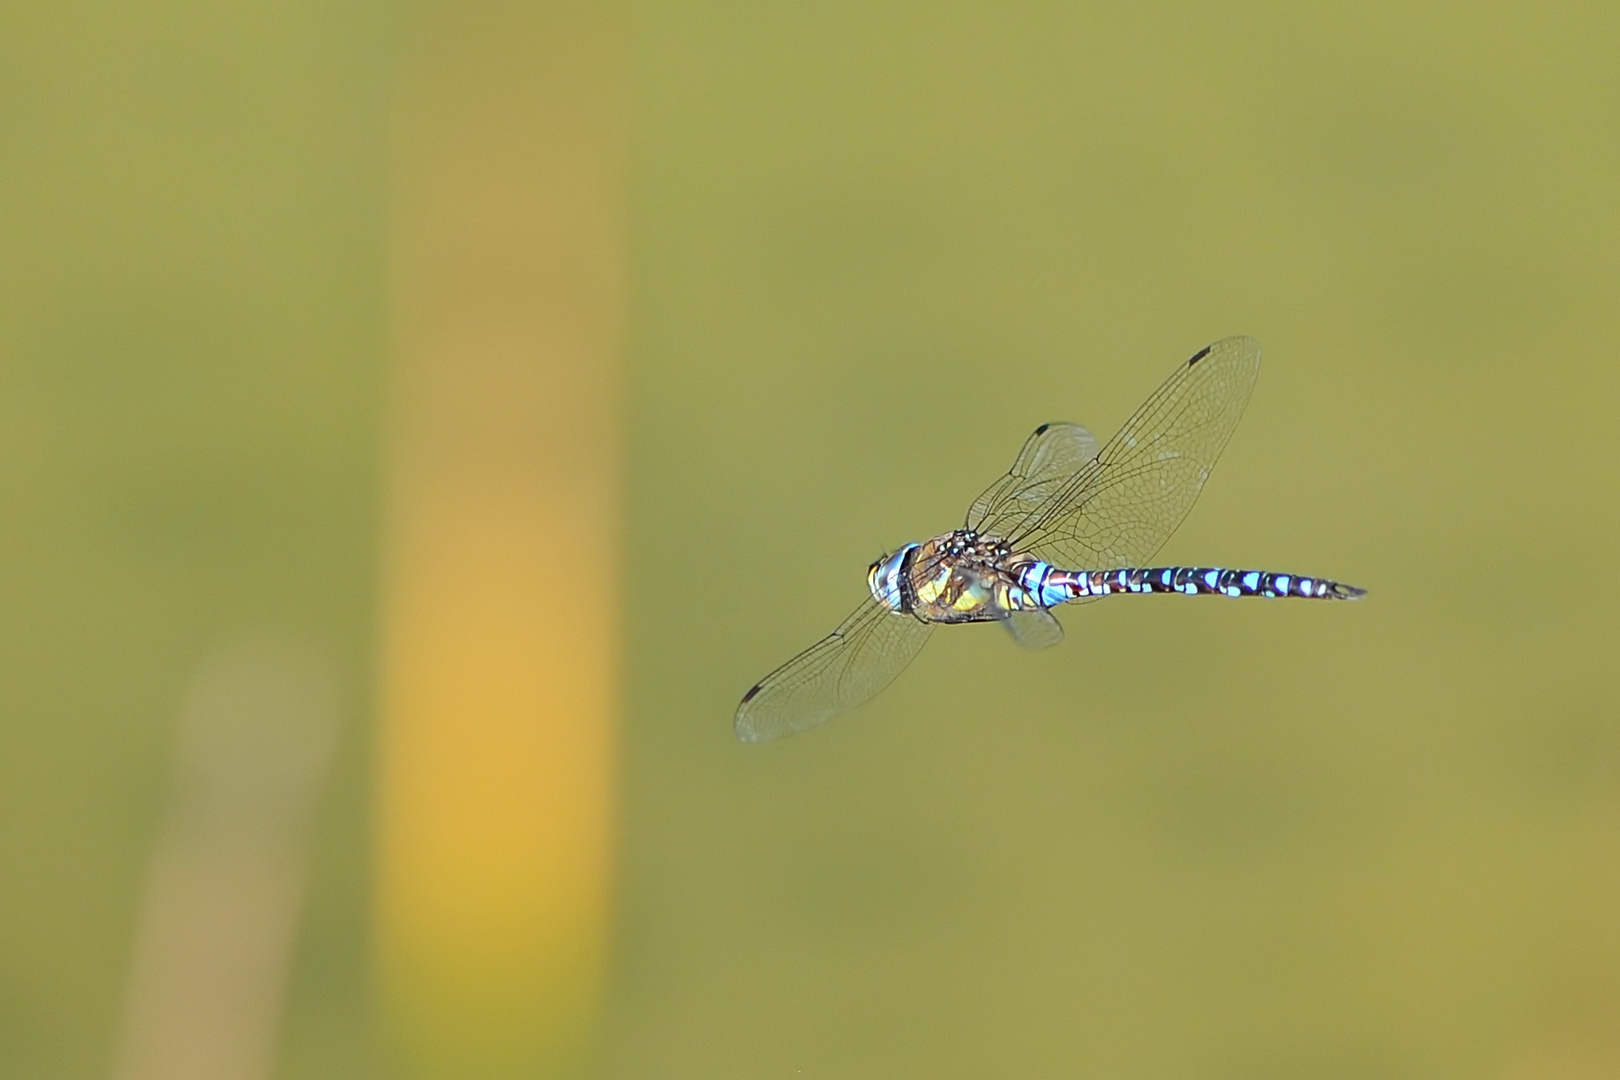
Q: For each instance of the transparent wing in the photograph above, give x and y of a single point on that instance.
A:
(1119, 507)
(1053, 454)
(1035, 628)
(837, 673)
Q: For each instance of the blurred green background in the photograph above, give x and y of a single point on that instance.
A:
(875, 244)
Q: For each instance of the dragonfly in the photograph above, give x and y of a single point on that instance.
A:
(1069, 523)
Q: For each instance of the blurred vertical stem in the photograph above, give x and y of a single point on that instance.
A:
(501, 631)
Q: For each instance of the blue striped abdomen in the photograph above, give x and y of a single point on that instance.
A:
(1050, 586)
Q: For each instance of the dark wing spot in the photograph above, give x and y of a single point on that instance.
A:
(1042, 429)
(1199, 355)
(750, 695)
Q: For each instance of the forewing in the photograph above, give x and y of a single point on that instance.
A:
(1050, 457)
(1120, 507)
(837, 673)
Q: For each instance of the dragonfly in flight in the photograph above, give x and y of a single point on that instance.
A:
(1069, 523)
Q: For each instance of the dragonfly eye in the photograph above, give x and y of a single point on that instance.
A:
(883, 578)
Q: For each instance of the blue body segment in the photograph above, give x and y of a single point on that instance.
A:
(1037, 581)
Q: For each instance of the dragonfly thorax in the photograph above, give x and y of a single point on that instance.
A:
(959, 576)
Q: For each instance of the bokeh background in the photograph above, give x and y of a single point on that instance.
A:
(420, 423)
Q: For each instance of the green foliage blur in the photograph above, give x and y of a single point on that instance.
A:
(192, 351)
(875, 245)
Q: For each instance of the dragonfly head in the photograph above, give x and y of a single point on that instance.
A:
(884, 578)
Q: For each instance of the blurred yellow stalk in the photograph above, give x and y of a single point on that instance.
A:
(501, 631)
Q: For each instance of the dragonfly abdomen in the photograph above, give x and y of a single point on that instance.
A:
(1052, 586)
